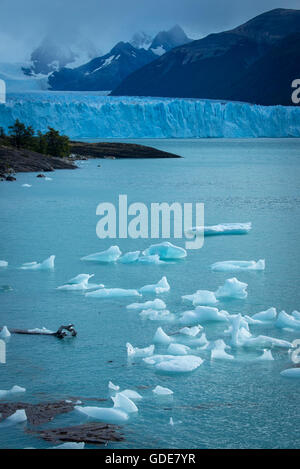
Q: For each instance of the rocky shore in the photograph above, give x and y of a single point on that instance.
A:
(113, 150)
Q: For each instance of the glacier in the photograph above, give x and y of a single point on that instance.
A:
(81, 115)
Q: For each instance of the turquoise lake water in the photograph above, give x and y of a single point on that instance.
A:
(234, 404)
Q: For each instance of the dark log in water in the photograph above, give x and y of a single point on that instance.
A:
(62, 332)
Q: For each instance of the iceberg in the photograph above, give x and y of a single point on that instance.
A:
(124, 404)
(110, 255)
(129, 257)
(18, 417)
(265, 316)
(221, 229)
(4, 334)
(203, 314)
(161, 391)
(180, 364)
(291, 373)
(218, 351)
(3, 263)
(166, 251)
(81, 282)
(232, 288)
(155, 259)
(113, 387)
(296, 315)
(133, 395)
(266, 356)
(262, 342)
(236, 266)
(156, 304)
(47, 264)
(139, 352)
(202, 297)
(160, 337)
(158, 315)
(289, 321)
(106, 293)
(14, 390)
(191, 331)
(178, 349)
(109, 415)
(160, 287)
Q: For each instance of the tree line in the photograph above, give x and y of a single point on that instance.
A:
(22, 137)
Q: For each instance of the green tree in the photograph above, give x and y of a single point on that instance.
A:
(20, 135)
(40, 143)
(57, 145)
(3, 137)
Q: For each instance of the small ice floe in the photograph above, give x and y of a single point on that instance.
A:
(129, 257)
(166, 251)
(296, 315)
(236, 266)
(291, 373)
(122, 402)
(105, 414)
(266, 356)
(160, 287)
(18, 417)
(3, 263)
(81, 282)
(26, 185)
(218, 351)
(232, 288)
(161, 391)
(263, 317)
(203, 314)
(156, 304)
(48, 179)
(191, 331)
(133, 395)
(139, 352)
(238, 329)
(70, 445)
(154, 259)
(113, 387)
(201, 297)
(289, 321)
(171, 421)
(158, 315)
(105, 293)
(47, 264)
(178, 349)
(4, 334)
(221, 229)
(110, 255)
(174, 364)
(263, 341)
(14, 390)
(160, 337)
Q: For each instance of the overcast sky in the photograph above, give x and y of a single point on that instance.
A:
(24, 23)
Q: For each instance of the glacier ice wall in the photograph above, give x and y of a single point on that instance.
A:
(82, 115)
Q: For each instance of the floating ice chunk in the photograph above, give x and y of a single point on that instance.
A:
(4, 334)
(110, 415)
(122, 402)
(154, 259)
(232, 288)
(156, 304)
(266, 356)
(268, 315)
(161, 337)
(239, 330)
(285, 320)
(161, 391)
(113, 387)
(105, 293)
(203, 314)
(158, 315)
(80, 279)
(202, 297)
(180, 364)
(262, 342)
(236, 266)
(291, 373)
(18, 417)
(133, 395)
(139, 352)
(160, 287)
(221, 229)
(26, 185)
(178, 349)
(70, 445)
(110, 255)
(166, 251)
(13, 390)
(47, 264)
(191, 331)
(48, 179)
(171, 421)
(81, 282)
(218, 351)
(296, 315)
(201, 342)
(3, 263)
(130, 257)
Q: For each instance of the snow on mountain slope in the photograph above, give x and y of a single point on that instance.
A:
(88, 115)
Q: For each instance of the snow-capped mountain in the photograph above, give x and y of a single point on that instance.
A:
(141, 40)
(167, 40)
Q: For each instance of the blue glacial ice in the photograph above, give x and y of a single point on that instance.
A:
(178, 349)
(203, 314)
(105, 414)
(160, 337)
(162, 391)
(111, 254)
(236, 266)
(113, 387)
(86, 115)
(174, 364)
(155, 304)
(218, 351)
(268, 315)
(18, 417)
(232, 288)
(166, 251)
(47, 264)
(221, 229)
(4, 334)
(124, 404)
(3, 263)
(105, 293)
(14, 390)
(191, 331)
(291, 373)
(154, 259)
(287, 321)
(81, 282)
(139, 352)
(162, 315)
(132, 395)
(201, 298)
(130, 257)
(266, 356)
(296, 315)
(160, 287)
